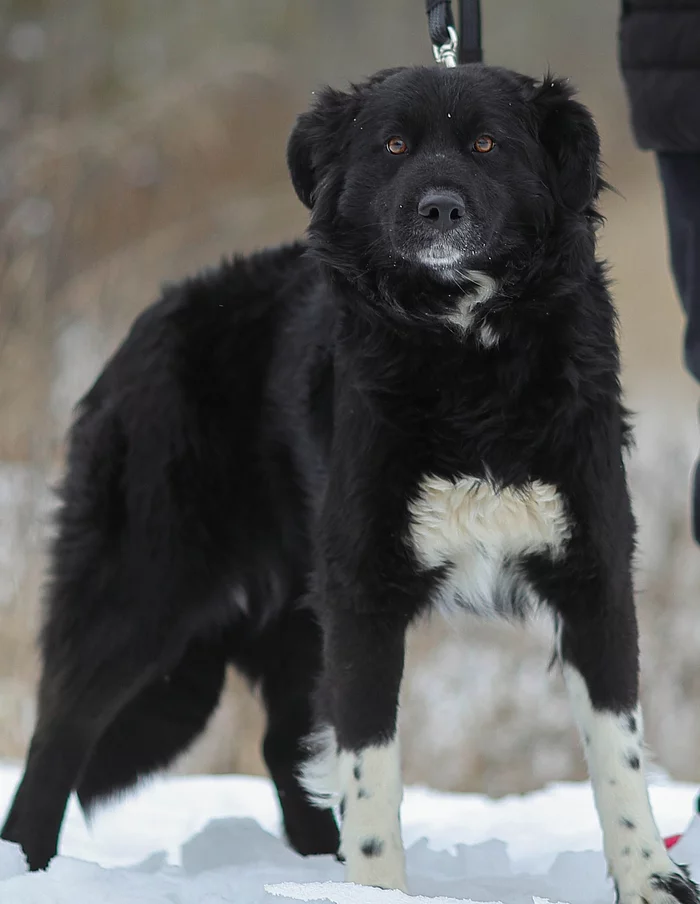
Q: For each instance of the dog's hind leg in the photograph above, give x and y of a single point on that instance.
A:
(90, 672)
(598, 651)
(364, 656)
(55, 757)
(70, 720)
(287, 660)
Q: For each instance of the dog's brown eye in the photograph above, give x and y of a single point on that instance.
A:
(484, 144)
(396, 145)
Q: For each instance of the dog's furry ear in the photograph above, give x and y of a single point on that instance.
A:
(570, 137)
(321, 135)
(318, 138)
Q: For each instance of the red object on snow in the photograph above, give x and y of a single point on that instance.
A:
(671, 840)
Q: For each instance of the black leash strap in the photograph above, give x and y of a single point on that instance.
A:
(470, 32)
(447, 48)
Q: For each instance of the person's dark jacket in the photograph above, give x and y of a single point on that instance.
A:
(660, 56)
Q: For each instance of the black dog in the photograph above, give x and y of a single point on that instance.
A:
(293, 457)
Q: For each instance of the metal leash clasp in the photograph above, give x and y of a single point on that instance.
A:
(446, 53)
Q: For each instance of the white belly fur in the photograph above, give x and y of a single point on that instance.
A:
(478, 532)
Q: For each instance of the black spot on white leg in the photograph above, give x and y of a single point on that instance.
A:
(633, 761)
(646, 853)
(363, 794)
(626, 851)
(343, 804)
(627, 823)
(631, 724)
(586, 739)
(372, 847)
(357, 770)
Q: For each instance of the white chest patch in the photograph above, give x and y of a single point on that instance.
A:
(479, 534)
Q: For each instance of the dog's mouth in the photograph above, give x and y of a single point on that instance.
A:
(445, 255)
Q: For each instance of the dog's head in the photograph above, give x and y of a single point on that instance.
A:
(438, 173)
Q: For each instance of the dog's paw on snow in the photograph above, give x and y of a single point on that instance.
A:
(664, 888)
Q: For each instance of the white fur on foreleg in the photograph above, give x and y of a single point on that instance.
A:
(368, 788)
(613, 743)
(371, 791)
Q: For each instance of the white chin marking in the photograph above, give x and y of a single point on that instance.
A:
(613, 743)
(441, 263)
(439, 258)
(371, 792)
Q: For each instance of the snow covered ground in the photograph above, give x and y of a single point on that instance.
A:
(215, 840)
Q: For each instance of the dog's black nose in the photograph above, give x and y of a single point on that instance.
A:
(443, 209)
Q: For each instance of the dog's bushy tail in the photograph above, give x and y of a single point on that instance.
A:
(156, 725)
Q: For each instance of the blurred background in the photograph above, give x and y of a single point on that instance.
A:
(142, 139)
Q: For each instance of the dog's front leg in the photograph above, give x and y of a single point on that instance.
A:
(364, 657)
(598, 650)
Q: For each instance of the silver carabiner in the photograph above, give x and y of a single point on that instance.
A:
(446, 54)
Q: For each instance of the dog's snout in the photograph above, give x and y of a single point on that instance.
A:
(443, 210)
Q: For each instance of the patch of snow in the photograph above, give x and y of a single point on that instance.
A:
(216, 840)
(346, 894)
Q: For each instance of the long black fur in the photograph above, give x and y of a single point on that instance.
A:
(238, 476)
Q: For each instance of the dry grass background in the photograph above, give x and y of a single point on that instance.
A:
(141, 140)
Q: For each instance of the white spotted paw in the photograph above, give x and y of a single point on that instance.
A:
(663, 888)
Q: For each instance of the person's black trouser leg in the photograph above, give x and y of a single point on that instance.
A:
(680, 176)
